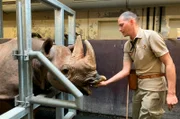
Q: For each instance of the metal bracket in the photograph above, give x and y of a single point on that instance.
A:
(25, 103)
(26, 55)
(16, 54)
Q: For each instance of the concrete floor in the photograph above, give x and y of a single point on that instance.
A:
(86, 115)
(50, 114)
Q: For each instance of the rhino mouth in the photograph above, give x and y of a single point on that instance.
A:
(91, 82)
(95, 80)
(85, 90)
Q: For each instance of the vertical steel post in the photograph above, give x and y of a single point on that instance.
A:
(59, 27)
(25, 39)
(71, 29)
(59, 110)
(26, 13)
(71, 112)
(59, 40)
(28, 47)
(71, 38)
(20, 49)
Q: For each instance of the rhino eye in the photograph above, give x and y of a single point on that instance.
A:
(65, 71)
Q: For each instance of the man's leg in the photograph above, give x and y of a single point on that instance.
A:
(152, 105)
(137, 97)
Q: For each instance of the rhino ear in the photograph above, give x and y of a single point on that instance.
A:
(71, 47)
(47, 45)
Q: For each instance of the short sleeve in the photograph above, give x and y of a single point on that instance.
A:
(126, 56)
(157, 44)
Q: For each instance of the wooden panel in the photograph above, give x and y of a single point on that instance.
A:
(109, 30)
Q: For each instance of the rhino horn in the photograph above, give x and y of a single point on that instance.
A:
(78, 52)
(90, 55)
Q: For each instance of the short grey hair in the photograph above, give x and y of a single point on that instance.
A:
(129, 15)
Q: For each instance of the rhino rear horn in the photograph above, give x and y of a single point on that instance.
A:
(90, 55)
(78, 52)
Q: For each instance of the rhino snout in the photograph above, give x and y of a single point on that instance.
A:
(95, 80)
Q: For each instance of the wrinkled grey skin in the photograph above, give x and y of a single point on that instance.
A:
(79, 69)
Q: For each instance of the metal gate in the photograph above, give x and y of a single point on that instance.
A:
(26, 101)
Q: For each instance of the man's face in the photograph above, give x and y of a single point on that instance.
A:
(124, 26)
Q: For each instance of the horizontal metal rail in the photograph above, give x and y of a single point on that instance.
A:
(58, 5)
(15, 113)
(41, 99)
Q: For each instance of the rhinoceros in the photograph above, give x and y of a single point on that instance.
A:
(77, 66)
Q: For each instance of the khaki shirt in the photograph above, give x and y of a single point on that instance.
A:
(145, 56)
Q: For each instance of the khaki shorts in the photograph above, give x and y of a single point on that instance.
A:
(148, 104)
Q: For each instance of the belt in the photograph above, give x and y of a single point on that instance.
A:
(151, 76)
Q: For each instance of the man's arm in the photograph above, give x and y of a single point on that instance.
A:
(171, 78)
(120, 75)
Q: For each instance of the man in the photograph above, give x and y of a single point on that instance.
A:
(152, 61)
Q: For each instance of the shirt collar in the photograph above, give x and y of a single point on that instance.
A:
(139, 33)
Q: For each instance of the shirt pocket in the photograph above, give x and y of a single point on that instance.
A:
(142, 51)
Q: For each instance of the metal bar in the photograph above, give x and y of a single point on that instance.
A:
(1, 19)
(59, 27)
(15, 113)
(59, 40)
(41, 99)
(60, 110)
(58, 5)
(71, 28)
(20, 49)
(71, 38)
(26, 13)
(69, 115)
(71, 112)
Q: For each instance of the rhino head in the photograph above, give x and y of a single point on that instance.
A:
(77, 66)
